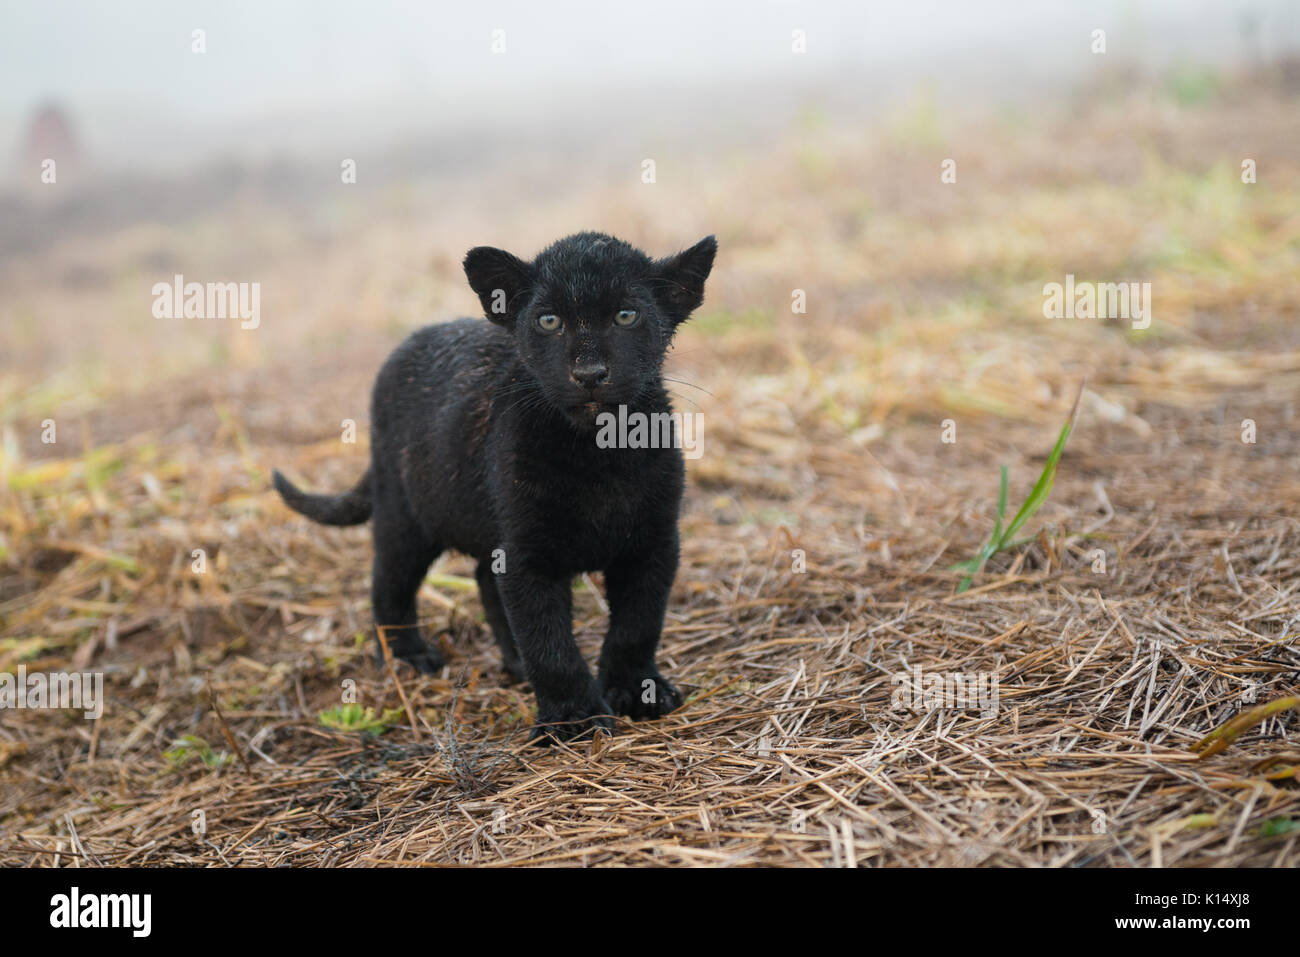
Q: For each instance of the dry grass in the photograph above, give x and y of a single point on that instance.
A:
(822, 434)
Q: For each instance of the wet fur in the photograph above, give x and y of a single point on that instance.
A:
(483, 441)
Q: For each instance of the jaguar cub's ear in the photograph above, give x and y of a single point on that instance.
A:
(680, 285)
(501, 280)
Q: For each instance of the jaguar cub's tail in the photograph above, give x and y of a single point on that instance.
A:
(350, 508)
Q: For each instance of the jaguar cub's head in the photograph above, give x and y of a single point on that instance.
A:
(591, 316)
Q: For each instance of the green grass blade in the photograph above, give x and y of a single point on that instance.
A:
(1003, 537)
(1002, 506)
(1042, 488)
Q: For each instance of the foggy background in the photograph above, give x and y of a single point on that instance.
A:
(226, 164)
(290, 79)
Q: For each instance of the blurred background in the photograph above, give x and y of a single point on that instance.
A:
(512, 124)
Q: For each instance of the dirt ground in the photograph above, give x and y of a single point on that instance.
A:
(851, 456)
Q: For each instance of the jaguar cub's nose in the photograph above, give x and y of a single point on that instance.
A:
(590, 374)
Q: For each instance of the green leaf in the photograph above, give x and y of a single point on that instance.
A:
(352, 717)
(1276, 826)
(1002, 537)
(1043, 487)
(1002, 506)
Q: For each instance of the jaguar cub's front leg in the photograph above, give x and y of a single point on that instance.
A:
(637, 590)
(540, 613)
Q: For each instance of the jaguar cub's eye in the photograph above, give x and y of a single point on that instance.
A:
(549, 323)
(625, 317)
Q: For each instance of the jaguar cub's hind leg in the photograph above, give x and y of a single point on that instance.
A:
(496, 618)
(402, 558)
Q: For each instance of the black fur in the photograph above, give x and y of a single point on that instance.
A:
(483, 438)
(350, 508)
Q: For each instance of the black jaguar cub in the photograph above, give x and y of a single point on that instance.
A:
(484, 440)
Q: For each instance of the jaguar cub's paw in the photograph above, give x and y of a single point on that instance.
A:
(640, 696)
(570, 720)
(423, 657)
